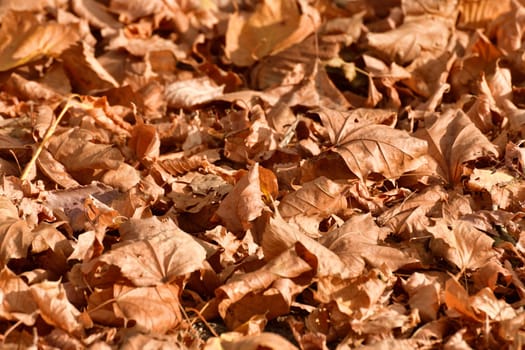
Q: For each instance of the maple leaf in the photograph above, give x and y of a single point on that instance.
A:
(479, 307)
(412, 216)
(151, 253)
(461, 244)
(370, 148)
(356, 243)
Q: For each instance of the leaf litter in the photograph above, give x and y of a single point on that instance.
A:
(262, 174)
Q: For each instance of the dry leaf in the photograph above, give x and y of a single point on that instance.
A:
(367, 148)
(151, 253)
(17, 302)
(321, 197)
(461, 244)
(244, 203)
(54, 307)
(24, 39)
(150, 309)
(453, 140)
(15, 234)
(273, 27)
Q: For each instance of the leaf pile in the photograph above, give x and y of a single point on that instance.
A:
(208, 174)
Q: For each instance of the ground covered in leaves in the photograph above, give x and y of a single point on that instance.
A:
(273, 174)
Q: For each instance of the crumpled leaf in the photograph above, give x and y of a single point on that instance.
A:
(145, 142)
(17, 302)
(453, 140)
(244, 202)
(55, 308)
(85, 71)
(268, 291)
(480, 307)
(411, 217)
(356, 243)
(424, 294)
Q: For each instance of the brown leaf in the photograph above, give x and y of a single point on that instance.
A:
(77, 151)
(145, 142)
(96, 13)
(480, 307)
(69, 204)
(283, 68)
(356, 243)
(15, 234)
(477, 14)
(417, 35)
(265, 340)
(55, 308)
(244, 203)
(151, 252)
(24, 39)
(321, 197)
(86, 73)
(424, 292)
(188, 93)
(276, 236)
(411, 217)
(268, 291)
(17, 302)
(271, 28)
(369, 148)
(153, 309)
(461, 244)
(453, 140)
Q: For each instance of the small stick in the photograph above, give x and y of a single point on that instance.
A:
(49, 133)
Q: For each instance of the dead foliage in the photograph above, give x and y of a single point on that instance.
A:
(190, 174)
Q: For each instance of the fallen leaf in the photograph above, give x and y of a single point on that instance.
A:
(54, 307)
(17, 302)
(244, 202)
(153, 309)
(264, 340)
(461, 244)
(271, 28)
(151, 253)
(321, 197)
(24, 39)
(367, 148)
(453, 140)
